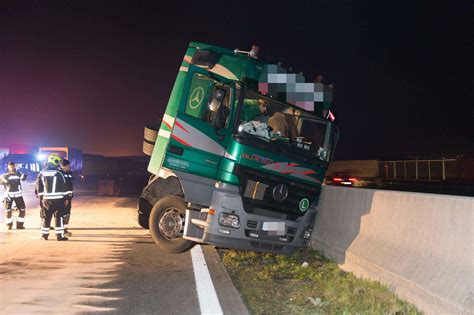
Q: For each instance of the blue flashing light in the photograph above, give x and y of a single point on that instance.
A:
(41, 157)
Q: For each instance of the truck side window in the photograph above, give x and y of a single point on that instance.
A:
(199, 103)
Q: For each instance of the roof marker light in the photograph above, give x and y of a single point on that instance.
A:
(331, 116)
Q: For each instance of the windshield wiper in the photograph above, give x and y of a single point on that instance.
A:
(254, 140)
(286, 148)
(280, 147)
(310, 156)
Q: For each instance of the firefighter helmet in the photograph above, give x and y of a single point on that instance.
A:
(53, 158)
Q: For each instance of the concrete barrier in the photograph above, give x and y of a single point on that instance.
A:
(420, 245)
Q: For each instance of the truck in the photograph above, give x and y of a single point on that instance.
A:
(239, 156)
(72, 154)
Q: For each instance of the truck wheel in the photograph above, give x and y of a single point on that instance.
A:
(143, 221)
(167, 224)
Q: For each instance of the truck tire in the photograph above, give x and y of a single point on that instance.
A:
(167, 224)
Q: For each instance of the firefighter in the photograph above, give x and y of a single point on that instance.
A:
(40, 198)
(66, 168)
(13, 193)
(51, 187)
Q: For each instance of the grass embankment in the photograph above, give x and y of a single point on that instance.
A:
(277, 284)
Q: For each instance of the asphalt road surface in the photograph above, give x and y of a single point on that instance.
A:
(109, 265)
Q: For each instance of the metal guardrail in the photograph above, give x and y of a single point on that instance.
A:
(430, 170)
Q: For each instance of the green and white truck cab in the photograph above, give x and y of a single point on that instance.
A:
(233, 163)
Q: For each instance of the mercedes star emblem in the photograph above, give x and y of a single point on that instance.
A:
(280, 192)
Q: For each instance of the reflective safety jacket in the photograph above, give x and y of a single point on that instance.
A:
(12, 183)
(69, 186)
(51, 184)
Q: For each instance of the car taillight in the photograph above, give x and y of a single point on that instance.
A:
(352, 179)
(337, 179)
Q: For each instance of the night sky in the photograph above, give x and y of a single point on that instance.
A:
(92, 74)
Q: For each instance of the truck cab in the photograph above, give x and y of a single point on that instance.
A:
(239, 157)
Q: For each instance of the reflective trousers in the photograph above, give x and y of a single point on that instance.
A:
(20, 205)
(50, 208)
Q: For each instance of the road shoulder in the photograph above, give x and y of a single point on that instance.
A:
(229, 298)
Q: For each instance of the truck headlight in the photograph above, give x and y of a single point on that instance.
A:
(229, 219)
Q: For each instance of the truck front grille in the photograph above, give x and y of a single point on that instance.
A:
(256, 189)
(252, 224)
(291, 231)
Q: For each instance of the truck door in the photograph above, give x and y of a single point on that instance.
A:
(202, 127)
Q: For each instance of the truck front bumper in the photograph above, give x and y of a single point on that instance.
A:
(250, 233)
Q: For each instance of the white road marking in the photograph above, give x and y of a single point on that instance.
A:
(207, 296)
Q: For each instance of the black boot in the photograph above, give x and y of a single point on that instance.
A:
(9, 226)
(44, 237)
(61, 238)
(20, 225)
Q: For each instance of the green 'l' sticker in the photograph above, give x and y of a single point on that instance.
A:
(304, 204)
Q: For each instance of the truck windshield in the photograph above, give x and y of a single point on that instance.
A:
(287, 129)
